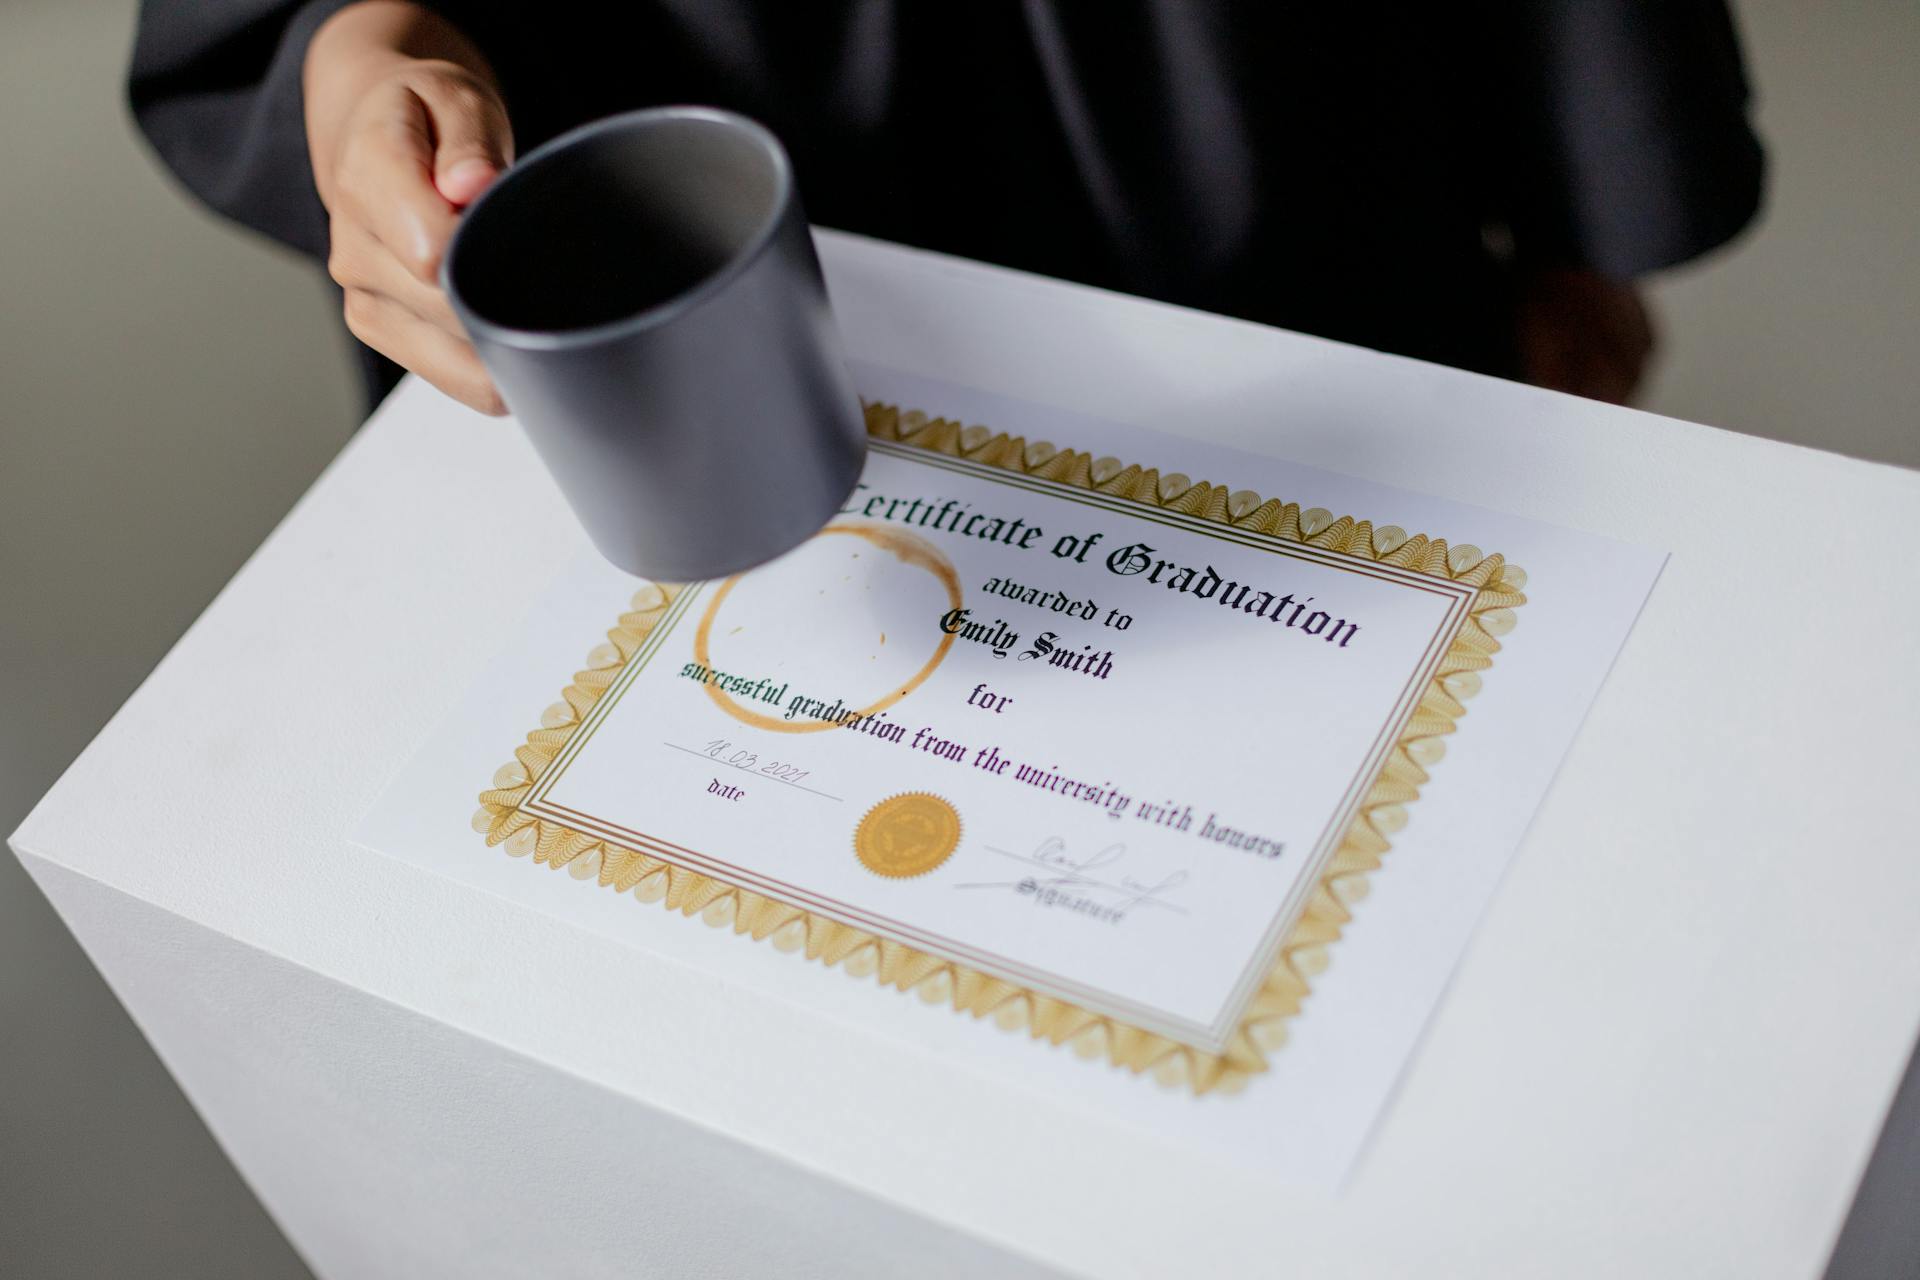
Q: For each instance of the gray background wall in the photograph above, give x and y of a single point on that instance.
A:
(168, 387)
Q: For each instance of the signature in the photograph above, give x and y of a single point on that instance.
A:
(1067, 872)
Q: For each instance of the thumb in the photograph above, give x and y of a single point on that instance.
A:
(473, 142)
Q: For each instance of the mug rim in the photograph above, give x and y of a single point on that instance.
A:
(657, 313)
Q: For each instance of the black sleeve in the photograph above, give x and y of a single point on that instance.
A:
(1634, 147)
(215, 87)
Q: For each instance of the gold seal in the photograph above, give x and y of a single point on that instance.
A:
(907, 835)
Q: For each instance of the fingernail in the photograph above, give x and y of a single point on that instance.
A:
(470, 170)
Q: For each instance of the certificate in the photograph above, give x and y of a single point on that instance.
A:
(1152, 779)
(1096, 752)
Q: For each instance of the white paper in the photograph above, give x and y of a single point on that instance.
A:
(1210, 709)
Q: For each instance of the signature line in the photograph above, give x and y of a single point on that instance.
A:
(1074, 876)
(749, 769)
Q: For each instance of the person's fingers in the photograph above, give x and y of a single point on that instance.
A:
(1545, 356)
(1635, 336)
(385, 182)
(1595, 370)
(1583, 333)
(426, 148)
(1608, 376)
(357, 261)
(1624, 343)
(472, 141)
(1601, 370)
(447, 362)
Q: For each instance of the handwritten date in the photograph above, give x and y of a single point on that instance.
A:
(739, 758)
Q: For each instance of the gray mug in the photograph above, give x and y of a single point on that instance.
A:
(645, 294)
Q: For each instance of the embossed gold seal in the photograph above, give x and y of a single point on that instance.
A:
(907, 835)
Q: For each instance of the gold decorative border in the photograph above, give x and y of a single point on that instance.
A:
(1303, 954)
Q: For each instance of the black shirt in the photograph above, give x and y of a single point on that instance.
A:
(1363, 170)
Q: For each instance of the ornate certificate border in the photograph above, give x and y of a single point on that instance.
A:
(1303, 954)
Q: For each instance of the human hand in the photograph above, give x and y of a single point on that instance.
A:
(405, 128)
(1584, 333)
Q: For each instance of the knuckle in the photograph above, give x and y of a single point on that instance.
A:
(454, 88)
(423, 261)
(448, 79)
(340, 269)
(359, 310)
(353, 171)
(467, 97)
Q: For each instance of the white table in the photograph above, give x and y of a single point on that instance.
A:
(1667, 1052)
